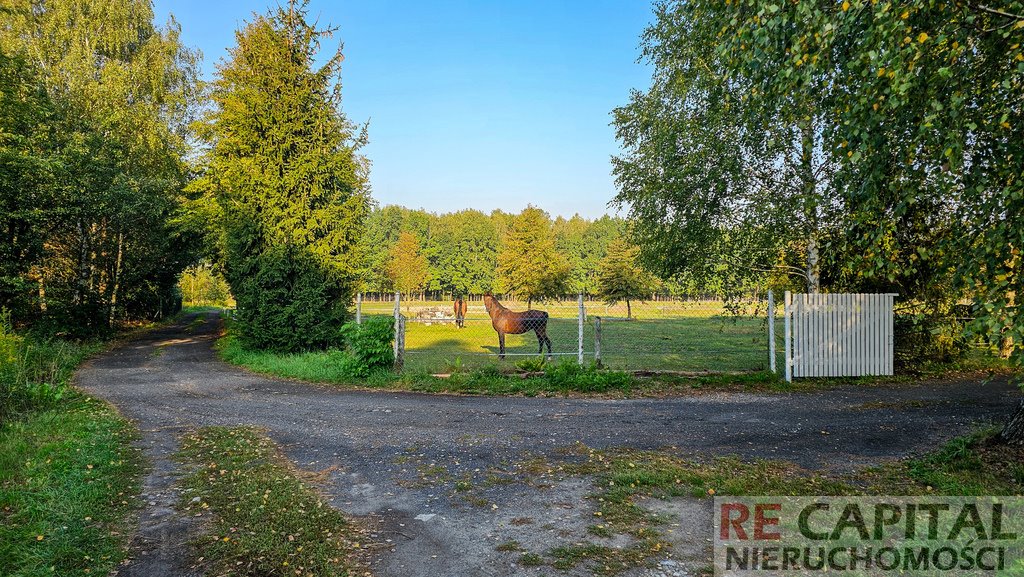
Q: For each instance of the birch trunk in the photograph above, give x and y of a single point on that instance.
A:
(1013, 432)
(117, 280)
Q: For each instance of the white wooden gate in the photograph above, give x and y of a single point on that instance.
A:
(838, 335)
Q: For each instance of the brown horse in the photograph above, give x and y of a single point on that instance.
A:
(505, 322)
(460, 312)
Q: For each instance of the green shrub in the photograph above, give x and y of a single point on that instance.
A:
(288, 302)
(531, 364)
(369, 345)
(568, 375)
(34, 372)
(923, 338)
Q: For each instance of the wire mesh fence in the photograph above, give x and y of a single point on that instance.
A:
(662, 334)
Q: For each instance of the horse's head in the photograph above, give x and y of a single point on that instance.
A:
(489, 302)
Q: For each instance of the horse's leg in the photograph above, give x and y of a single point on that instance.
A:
(542, 336)
(540, 340)
(501, 345)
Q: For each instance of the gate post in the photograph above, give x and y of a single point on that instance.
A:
(786, 311)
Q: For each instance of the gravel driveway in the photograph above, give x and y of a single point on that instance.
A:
(391, 456)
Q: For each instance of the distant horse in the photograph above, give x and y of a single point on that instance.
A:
(460, 312)
(505, 322)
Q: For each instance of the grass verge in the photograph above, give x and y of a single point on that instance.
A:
(68, 480)
(971, 465)
(264, 519)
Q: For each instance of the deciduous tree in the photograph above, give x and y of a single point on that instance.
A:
(407, 267)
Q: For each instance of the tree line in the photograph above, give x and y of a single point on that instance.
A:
(95, 101)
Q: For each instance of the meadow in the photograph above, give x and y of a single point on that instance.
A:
(661, 336)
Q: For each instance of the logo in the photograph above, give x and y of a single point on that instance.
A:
(852, 536)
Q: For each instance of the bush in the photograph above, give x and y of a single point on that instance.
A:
(288, 302)
(921, 338)
(34, 372)
(370, 345)
(568, 375)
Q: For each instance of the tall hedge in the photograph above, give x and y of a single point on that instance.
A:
(289, 184)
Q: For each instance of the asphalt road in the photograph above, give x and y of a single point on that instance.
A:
(377, 446)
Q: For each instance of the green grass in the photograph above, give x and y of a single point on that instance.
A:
(264, 519)
(971, 465)
(68, 484)
(320, 366)
(668, 335)
(555, 378)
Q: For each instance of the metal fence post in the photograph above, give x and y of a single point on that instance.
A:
(359, 308)
(580, 325)
(771, 330)
(597, 341)
(399, 332)
(787, 304)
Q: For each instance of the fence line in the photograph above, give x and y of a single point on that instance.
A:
(674, 336)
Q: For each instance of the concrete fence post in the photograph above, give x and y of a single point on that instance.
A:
(597, 341)
(399, 342)
(771, 331)
(399, 333)
(359, 308)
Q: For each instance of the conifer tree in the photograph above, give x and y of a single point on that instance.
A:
(529, 265)
(619, 277)
(291, 186)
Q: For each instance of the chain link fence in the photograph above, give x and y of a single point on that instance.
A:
(694, 334)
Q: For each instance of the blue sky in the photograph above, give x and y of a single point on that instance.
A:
(472, 104)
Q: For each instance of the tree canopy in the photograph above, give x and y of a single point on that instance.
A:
(407, 268)
(529, 265)
(290, 186)
(620, 278)
(95, 113)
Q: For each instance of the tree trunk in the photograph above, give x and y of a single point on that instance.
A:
(629, 310)
(1013, 432)
(810, 203)
(42, 294)
(117, 280)
(813, 267)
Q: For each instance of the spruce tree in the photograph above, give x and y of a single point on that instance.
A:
(291, 186)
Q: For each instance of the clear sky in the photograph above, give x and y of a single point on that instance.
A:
(472, 103)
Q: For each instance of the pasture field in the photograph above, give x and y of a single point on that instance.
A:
(665, 336)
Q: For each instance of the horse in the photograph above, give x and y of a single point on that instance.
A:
(505, 322)
(460, 312)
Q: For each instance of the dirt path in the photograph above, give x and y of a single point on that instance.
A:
(396, 455)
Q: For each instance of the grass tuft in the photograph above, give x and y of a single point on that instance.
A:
(69, 477)
(264, 519)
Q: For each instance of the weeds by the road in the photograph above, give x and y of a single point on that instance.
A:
(265, 519)
(68, 481)
(68, 472)
(624, 479)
